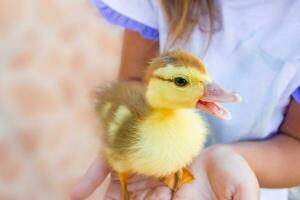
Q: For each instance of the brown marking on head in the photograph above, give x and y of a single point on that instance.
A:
(177, 58)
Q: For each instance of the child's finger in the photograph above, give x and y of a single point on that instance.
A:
(136, 178)
(160, 193)
(91, 180)
(140, 195)
(188, 192)
(144, 184)
(113, 191)
(247, 192)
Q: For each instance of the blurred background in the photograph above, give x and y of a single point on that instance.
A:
(53, 53)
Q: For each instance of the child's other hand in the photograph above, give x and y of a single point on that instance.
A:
(220, 173)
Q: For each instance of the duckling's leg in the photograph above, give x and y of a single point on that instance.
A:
(176, 180)
(123, 182)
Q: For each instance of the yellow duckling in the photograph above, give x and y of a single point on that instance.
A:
(153, 128)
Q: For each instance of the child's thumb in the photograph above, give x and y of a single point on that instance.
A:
(94, 176)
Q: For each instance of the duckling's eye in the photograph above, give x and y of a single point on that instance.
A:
(180, 82)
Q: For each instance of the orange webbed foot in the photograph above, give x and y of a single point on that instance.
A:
(178, 179)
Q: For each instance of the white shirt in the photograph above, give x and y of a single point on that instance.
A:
(255, 51)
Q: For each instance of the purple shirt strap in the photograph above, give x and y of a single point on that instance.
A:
(296, 95)
(116, 18)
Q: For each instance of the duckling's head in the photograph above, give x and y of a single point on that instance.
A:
(179, 80)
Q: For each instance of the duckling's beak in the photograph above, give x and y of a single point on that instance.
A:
(213, 93)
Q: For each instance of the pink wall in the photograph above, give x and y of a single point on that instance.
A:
(53, 53)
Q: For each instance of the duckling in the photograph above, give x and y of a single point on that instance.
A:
(152, 128)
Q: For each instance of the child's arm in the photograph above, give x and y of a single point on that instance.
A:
(136, 52)
(276, 162)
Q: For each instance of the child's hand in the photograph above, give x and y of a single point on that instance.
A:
(99, 170)
(220, 174)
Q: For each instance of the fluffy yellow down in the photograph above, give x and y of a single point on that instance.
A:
(168, 143)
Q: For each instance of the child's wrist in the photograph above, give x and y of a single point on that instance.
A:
(221, 150)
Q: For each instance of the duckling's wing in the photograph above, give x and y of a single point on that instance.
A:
(125, 93)
(121, 106)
